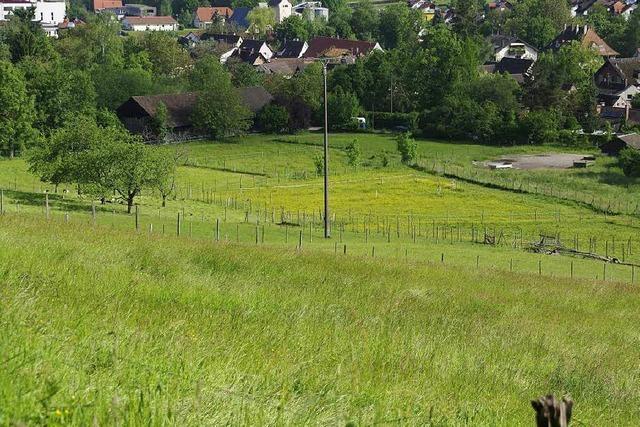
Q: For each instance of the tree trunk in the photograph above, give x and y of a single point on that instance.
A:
(130, 202)
(103, 200)
(164, 200)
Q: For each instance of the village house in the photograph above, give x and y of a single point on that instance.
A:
(499, 6)
(99, 5)
(293, 49)
(512, 47)
(584, 35)
(618, 82)
(285, 67)
(427, 8)
(519, 69)
(328, 47)
(619, 143)
(206, 16)
(282, 9)
(137, 112)
(48, 13)
(149, 23)
(615, 7)
(139, 10)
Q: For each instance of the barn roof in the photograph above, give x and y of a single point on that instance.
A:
(180, 106)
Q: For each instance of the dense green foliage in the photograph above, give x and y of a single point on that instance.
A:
(630, 162)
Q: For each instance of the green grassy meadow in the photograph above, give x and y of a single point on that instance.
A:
(110, 327)
(241, 313)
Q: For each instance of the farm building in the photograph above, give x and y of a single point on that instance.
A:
(620, 142)
(136, 113)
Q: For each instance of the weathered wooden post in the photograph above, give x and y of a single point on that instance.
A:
(551, 412)
(178, 225)
(217, 229)
(137, 219)
(46, 205)
(1, 202)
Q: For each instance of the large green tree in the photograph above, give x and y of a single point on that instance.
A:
(219, 109)
(16, 111)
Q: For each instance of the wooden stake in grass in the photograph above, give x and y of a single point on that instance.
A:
(1, 202)
(93, 212)
(178, 225)
(217, 229)
(46, 205)
(551, 412)
(137, 219)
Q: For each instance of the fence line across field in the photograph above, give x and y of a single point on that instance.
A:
(412, 253)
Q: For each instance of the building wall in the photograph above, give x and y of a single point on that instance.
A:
(48, 12)
(283, 11)
(162, 27)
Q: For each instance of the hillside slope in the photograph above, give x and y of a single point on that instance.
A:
(108, 327)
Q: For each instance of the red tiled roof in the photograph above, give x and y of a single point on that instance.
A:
(206, 14)
(105, 4)
(319, 45)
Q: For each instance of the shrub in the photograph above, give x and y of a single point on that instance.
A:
(407, 148)
(272, 119)
(353, 153)
(343, 107)
(318, 162)
(630, 162)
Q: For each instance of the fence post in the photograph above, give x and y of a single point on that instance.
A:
(217, 229)
(1, 202)
(93, 212)
(46, 205)
(137, 219)
(178, 225)
(552, 412)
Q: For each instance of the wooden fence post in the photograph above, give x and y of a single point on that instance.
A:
(1, 202)
(46, 205)
(551, 412)
(137, 219)
(217, 229)
(178, 225)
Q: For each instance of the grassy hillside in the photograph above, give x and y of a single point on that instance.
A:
(107, 327)
(264, 189)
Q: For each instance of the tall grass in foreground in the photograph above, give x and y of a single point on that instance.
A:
(103, 327)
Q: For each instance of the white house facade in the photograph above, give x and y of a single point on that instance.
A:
(48, 13)
(149, 23)
(282, 9)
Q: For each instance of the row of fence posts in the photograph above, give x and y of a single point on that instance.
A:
(260, 235)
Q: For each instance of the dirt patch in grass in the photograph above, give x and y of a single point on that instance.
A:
(539, 161)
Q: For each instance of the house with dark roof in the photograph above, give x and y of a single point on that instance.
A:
(620, 142)
(618, 81)
(584, 35)
(251, 47)
(137, 112)
(206, 16)
(293, 49)
(519, 69)
(329, 47)
(286, 67)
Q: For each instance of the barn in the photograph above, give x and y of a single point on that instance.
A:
(136, 113)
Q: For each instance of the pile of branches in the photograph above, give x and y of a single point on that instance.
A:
(549, 245)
